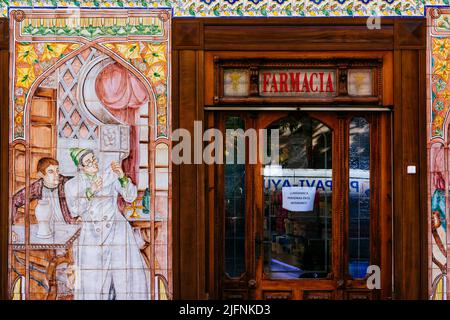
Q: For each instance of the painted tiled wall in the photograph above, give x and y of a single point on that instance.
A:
(55, 58)
(438, 71)
(90, 154)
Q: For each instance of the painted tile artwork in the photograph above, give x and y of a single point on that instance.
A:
(438, 153)
(90, 164)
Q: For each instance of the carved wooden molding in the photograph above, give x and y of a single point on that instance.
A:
(187, 34)
(411, 34)
(277, 295)
(317, 295)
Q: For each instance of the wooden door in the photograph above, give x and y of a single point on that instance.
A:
(266, 251)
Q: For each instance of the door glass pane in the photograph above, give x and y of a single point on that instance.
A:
(234, 195)
(297, 232)
(359, 198)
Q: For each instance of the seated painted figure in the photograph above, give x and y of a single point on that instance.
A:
(49, 186)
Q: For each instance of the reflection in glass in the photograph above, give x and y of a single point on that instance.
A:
(234, 195)
(297, 244)
(359, 198)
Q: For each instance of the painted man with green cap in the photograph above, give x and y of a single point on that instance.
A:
(108, 259)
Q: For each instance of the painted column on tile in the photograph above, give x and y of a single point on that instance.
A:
(438, 72)
(90, 154)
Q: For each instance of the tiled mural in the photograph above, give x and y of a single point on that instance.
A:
(90, 154)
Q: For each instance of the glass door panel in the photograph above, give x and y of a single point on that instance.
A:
(298, 201)
(359, 198)
(234, 197)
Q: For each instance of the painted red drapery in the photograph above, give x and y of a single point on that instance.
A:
(122, 93)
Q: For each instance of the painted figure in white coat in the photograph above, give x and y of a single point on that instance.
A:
(108, 260)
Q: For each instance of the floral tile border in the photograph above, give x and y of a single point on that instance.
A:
(247, 8)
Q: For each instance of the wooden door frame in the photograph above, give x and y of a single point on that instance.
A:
(380, 204)
(404, 38)
(219, 215)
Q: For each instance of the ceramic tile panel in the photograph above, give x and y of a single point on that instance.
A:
(87, 87)
(438, 73)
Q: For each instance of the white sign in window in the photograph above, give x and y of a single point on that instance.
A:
(299, 199)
